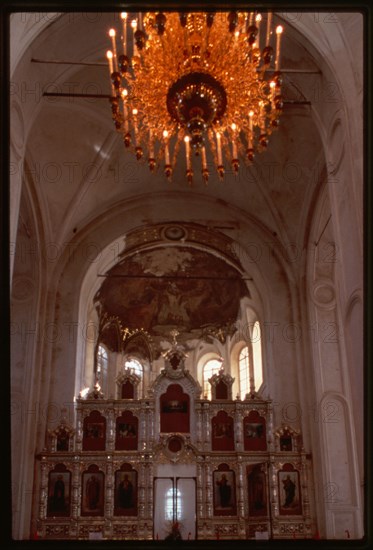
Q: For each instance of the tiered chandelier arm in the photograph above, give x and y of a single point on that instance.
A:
(203, 81)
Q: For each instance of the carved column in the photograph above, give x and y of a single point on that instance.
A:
(270, 435)
(141, 489)
(109, 496)
(150, 424)
(199, 424)
(149, 484)
(208, 488)
(43, 490)
(304, 485)
(142, 427)
(200, 503)
(110, 437)
(273, 496)
(75, 484)
(79, 430)
(206, 427)
(238, 428)
(240, 489)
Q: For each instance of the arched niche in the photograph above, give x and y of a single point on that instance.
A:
(94, 432)
(222, 437)
(126, 432)
(59, 492)
(125, 491)
(175, 410)
(254, 432)
(93, 491)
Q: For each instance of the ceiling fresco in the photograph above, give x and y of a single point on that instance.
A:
(172, 287)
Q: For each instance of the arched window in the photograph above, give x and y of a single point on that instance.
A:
(173, 504)
(250, 366)
(244, 371)
(256, 339)
(102, 365)
(135, 366)
(210, 368)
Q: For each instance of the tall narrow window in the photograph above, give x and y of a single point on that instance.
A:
(250, 364)
(244, 369)
(102, 365)
(257, 355)
(211, 367)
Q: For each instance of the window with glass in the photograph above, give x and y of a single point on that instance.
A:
(135, 366)
(256, 339)
(211, 367)
(102, 363)
(244, 371)
(250, 364)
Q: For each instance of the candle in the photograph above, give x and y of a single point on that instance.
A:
(124, 19)
(269, 19)
(125, 111)
(279, 30)
(272, 85)
(250, 144)
(258, 19)
(204, 162)
(151, 144)
(234, 143)
(109, 56)
(187, 151)
(134, 113)
(218, 139)
(112, 35)
(166, 151)
(134, 29)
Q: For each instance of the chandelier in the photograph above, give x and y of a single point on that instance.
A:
(208, 83)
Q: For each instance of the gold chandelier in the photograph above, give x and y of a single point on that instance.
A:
(210, 80)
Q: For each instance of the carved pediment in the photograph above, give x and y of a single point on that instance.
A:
(221, 386)
(128, 384)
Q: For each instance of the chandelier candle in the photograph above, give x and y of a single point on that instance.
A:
(196, 76)
(124, 19)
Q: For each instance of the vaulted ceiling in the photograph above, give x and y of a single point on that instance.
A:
(80, 171)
